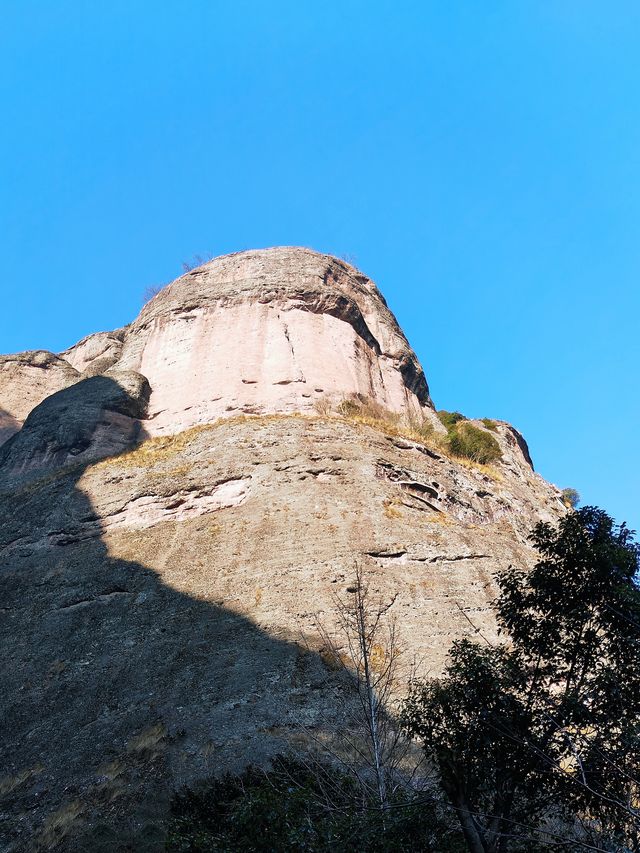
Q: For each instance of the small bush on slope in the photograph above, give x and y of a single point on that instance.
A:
(490, 424)
(463, 440)
(450, 419)
(471, 442)
(468, 441)
(571, 498)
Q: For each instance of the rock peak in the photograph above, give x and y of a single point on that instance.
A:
(161, 595)
(267, 331)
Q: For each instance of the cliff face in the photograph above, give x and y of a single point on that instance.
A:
(175, 516)
(269, 331)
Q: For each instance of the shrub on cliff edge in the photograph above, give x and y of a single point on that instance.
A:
(473, 443)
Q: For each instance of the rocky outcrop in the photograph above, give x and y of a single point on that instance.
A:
(94, 418)
(273, 330)
(96, 353)
(270, 331)
(158, 604)
(26, 379)
(171, 528)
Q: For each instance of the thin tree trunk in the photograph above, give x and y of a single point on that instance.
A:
(472, 833)
(371, 699)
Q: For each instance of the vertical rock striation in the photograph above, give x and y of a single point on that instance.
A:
(269, 331)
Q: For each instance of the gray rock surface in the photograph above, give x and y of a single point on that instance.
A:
(96, 353)
(26, 378)
(156, 603)
(159, 603)
(94, 418)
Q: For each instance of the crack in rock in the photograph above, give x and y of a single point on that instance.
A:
(150, 509)
(452, 559)
(103, 598)
(387, 553)
(407, 480)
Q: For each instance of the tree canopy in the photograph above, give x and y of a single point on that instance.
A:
(537, 739)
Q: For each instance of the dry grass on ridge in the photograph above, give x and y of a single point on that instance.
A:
(359, 412)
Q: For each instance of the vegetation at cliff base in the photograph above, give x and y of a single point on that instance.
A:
(537, 740)
(287, 809)
(528, 744)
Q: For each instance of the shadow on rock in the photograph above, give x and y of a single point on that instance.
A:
(117, 689)
(8, 426)
(95, 418)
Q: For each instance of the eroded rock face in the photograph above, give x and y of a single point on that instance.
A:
(26, 379)
(157, 604)
(274, 330)
(96, 353)
(159, 597)
(265, 331)
(94, 418)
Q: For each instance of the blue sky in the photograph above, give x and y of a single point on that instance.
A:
(480, 161)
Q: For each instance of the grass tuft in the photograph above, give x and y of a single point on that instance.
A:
(450, 419)
(467, 444)
(490, 424)
(466, 441)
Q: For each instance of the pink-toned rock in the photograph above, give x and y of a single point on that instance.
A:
(274, 330)
(160, 598)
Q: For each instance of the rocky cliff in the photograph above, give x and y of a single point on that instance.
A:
(181, 498)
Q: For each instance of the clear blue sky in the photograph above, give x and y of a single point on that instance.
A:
(479, 160)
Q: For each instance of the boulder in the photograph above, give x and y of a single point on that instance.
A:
(26, 378)
(94, 418)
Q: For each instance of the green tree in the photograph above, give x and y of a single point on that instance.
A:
(546, 726)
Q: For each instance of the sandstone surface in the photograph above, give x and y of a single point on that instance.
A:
(26, 379)
(96, 353)
(94, 418)
(270, 331)
(171, 530)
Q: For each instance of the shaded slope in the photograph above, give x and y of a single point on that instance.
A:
(154, 602)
